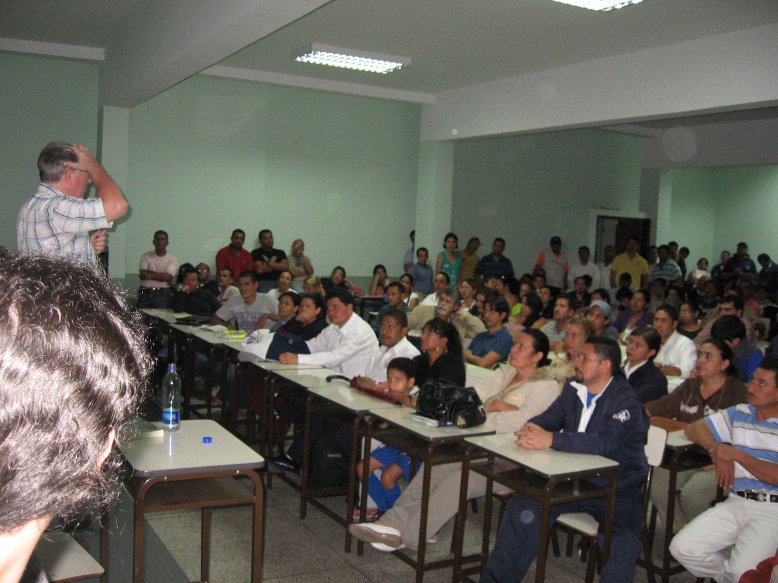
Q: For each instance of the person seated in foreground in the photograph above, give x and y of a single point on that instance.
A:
(247, 310)
(512, 394)
(194, 299)
(346, 346)
(288, 305)
(447, 309)
(283, 284)
(678, 355)
(387, 464)
(392, 335)
(712, 387)
(597, 413)
(73, 369)
(742, 441)
(309, 321)
(637, 315)
(493, 346)
(731, 330)
(648, 381)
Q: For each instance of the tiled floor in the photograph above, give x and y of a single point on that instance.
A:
(312, 550)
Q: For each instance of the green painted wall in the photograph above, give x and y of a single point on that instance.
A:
(210, 155)
(528, 188)
(693, 213)
(41, 100)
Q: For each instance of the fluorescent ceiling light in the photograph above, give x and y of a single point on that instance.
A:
(601, 5)
(320, 54)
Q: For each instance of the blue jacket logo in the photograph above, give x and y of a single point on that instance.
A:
(622, 416)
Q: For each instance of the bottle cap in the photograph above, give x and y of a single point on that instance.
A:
(171, 367)
(207, 439)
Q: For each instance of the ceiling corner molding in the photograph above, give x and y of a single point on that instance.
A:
(319, 84)
(52, 49)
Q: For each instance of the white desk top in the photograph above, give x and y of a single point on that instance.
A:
(351, 398)
(62, 558)
(546, 462)
(400, 416)
(311, 377)
(678, 439)
(166, 315)
(183, 451)
(274, 365)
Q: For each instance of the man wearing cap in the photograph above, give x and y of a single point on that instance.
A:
(599, 315)
(555, 265)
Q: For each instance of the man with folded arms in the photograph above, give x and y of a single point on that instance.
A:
(598, 414)
(156, 271)
(743, 444)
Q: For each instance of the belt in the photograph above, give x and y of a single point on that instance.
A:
(757, 495)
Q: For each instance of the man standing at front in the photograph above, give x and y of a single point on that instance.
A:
(268, 262)
(743, 443)
(57, 220)
(598, 414)
(234, 257)
(157, 270)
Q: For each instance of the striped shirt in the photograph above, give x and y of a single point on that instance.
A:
(52, 223)
(739, 426)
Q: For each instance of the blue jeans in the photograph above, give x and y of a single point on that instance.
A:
(517, 542)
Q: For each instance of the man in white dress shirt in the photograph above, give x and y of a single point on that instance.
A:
(678, 355)
(347, 345)
(392, 334)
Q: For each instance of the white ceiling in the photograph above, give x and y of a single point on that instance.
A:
(453, 43)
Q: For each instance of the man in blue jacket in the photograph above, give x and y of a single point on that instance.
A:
(597, 413)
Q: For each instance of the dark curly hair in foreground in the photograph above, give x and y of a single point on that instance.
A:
(73, 367)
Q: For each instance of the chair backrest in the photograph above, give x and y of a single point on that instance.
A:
(655, 445)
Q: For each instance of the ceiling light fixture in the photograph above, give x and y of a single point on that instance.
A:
(320, 54)
(601, 5)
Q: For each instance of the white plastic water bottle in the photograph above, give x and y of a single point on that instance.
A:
(171, 399)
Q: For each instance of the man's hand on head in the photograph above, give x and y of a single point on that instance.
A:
(86, 160)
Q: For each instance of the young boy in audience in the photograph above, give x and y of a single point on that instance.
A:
(392, 464)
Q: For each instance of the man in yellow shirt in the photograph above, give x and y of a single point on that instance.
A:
(630, 261)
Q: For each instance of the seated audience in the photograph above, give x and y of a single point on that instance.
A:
(666, 268)
(768, 275)
(494, 345)
(312, 285)
(556, 328)
(193, 299)
(467, 289)
(580, 297)
(283, 285)
(546, 295)
(530, 316)
(394, 301)
(441, 281)
(647, 380)
(579, 330)
(678, 355)
(511, 395)
(288, 305)
(730, 305)
(309, 321)
(410, 297)
(712, 388)
(481, 297)
(449, 310)
(611, 423)
(599, 315)
(378, 284)
(688, 324)
(742, 440)
(637, 315)
(226, 287)
(731, 330)
(699, 273)
(245, 312)
(338, 280)
(392, 335)
(204, 279)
